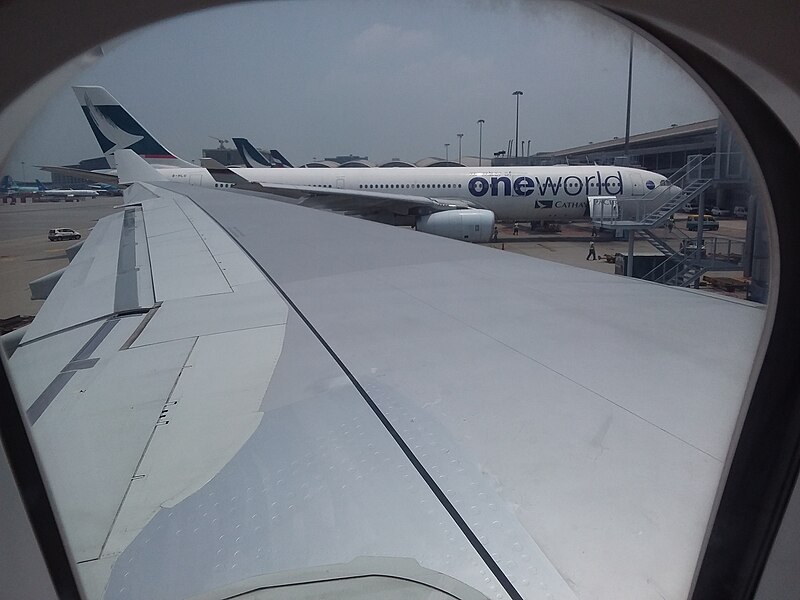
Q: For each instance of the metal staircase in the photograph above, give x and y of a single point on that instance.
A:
(685, 269)
(671, 206)
(659, 244)
(684, 274)
(634, 213)
(678, 269)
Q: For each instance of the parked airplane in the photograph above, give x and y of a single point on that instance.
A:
(474, 196)
(44, 191)
(9, 186)
(253, 157)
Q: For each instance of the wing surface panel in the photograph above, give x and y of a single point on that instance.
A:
(93, 435)
(37, 365)
(90, 283)
(319, 482)
(96, 399)
(182, 263)
(553, 378)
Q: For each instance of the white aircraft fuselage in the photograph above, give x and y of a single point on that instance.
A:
(552, 193)
(69, 193)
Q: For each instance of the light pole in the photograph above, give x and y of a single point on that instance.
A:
(516, 129)
(628, 109)
(23, 169)
(460, 135)
(447, 152)
(480, 142)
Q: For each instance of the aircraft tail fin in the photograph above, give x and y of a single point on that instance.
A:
(251, 155)
(116, 129)
(6, 183)
(132, 168)
(281, 159)
(41, 186)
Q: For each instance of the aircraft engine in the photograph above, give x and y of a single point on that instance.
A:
(474, 225)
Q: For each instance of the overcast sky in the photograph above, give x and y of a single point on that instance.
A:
(377, 78)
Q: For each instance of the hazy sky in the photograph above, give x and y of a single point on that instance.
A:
(380, 78)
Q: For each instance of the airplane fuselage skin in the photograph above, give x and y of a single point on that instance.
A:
(556, 193)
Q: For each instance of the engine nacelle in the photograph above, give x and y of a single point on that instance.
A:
(473, 225)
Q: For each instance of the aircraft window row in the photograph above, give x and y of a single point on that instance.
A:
(409, 185)
(223, 185)
(321, 185)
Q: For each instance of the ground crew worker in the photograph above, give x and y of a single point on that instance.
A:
(591, 252)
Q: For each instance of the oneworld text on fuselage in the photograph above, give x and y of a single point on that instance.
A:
(571, 185)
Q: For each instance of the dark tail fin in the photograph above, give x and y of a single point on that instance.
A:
(280, 159)
(251, 155)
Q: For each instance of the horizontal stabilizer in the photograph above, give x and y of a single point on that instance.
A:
(80, 174)
(210, 163)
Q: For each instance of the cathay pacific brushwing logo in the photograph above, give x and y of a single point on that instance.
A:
(543, 203)
(255, 158)
(119, 138)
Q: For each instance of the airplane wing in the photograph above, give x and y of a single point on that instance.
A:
(229, 392)
(352, 202)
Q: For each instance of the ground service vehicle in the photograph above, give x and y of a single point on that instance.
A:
(63, 233)
(709, 223)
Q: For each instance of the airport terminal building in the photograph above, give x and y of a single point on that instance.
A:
(670, 150)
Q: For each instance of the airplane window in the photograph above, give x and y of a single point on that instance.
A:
(612, 402)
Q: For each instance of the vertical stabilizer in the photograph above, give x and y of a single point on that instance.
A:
(251, 155)
(281, 159)
(116, 129)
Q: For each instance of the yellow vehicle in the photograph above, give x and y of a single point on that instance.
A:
(709, 223)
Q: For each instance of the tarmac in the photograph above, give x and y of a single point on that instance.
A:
(570, 245)
(26, 253)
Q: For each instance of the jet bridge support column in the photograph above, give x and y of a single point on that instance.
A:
(701, 213)
(631, 238)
